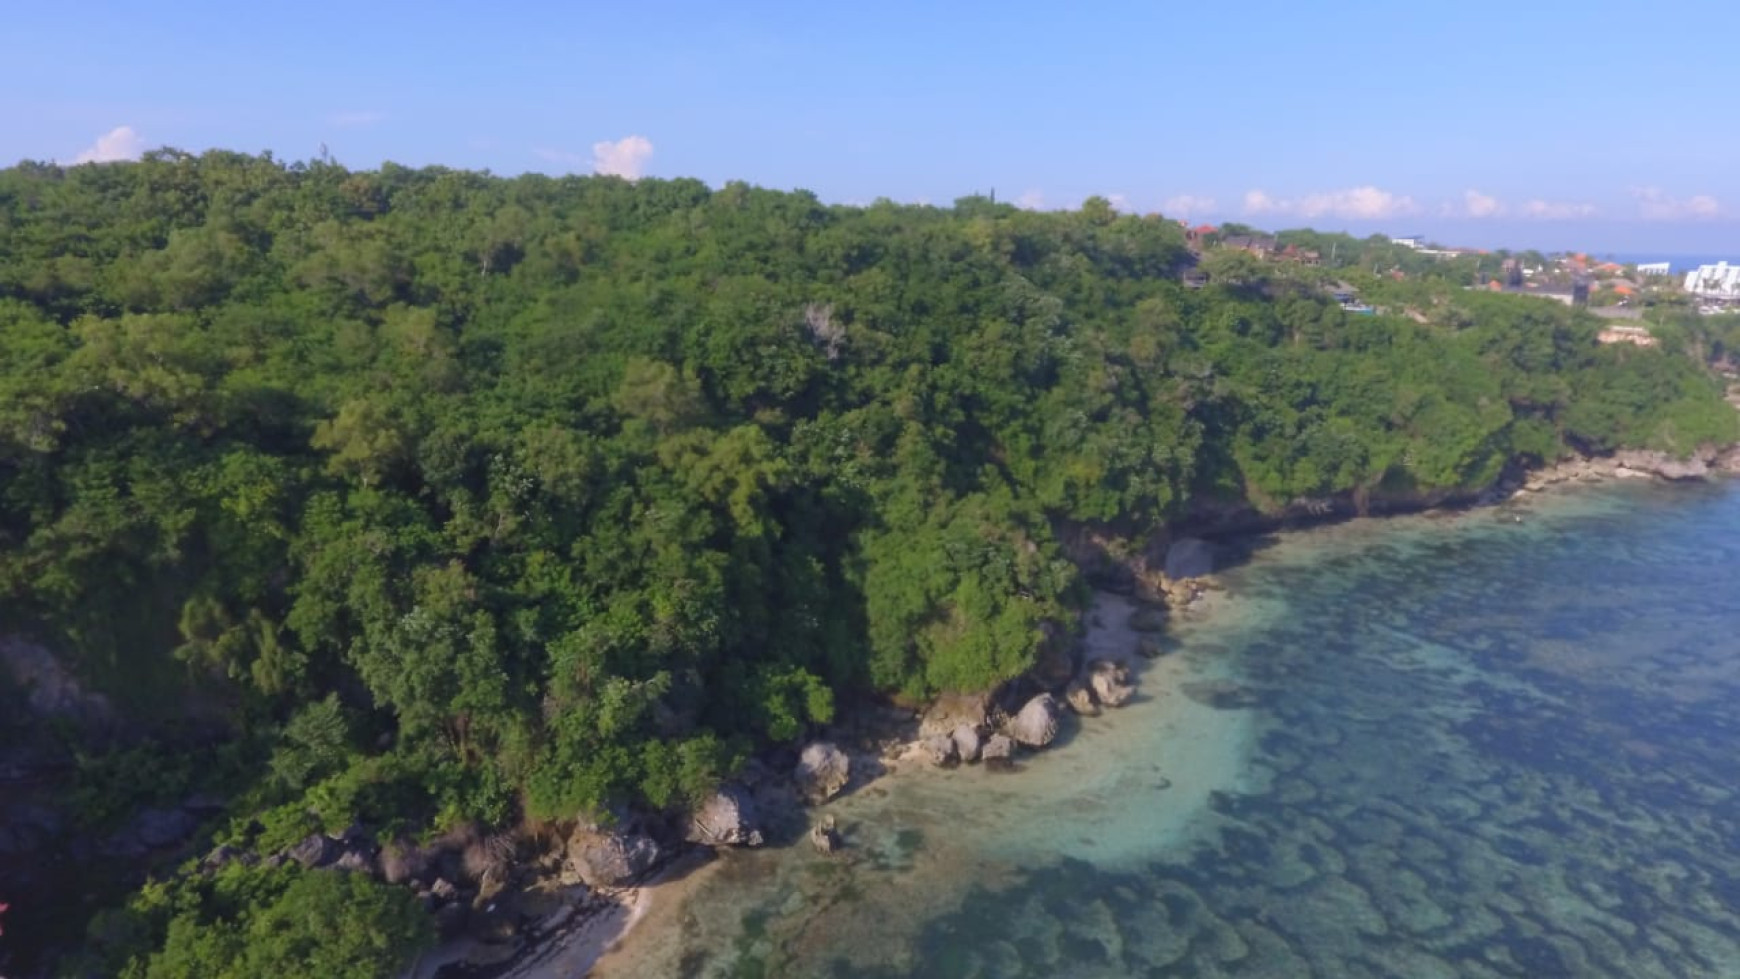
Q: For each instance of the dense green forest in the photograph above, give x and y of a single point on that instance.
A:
(452, 499)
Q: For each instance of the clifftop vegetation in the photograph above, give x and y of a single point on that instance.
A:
(454, 498)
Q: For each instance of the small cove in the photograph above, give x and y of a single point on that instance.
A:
(1475, 746)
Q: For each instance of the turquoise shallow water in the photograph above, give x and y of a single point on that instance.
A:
(1477, 747)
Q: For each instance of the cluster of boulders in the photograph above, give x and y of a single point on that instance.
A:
(1632, 464)
(967, 728)
(1102, 683)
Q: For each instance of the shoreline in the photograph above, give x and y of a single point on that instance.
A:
(980, 825)
(612, 940)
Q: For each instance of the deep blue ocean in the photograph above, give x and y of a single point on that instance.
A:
(1502, 743)
(1680, 264)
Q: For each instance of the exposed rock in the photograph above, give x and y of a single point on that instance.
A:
(443, 890)
(1081, 699)
(967, 742)
(1189, 557)
(822, 771)
(951, 710)
(604, 859)
(1148, 647)
(998, 750)
(823, 836)
(1036, 725)
(355, 861)
(225, 854)
(54, 692)
(402, 860)
(315, 850)
(1110, 682)
(490, 887)
(1728, 460)
(939, 749)
(1147, 618)
(728, 818)
(1180, 594)
(151, 829)
(1661, 464)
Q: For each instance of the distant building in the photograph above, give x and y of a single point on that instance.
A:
(1634, 335)
(1410, 241)
(1718, 281)
(1654, 268)
(1511, 272)
(1261, 246)
(1577, 295)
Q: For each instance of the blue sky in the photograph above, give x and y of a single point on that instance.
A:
(1600, 125)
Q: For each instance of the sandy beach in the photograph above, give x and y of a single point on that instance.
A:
(919, 838)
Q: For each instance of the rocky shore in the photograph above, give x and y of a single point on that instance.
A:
(551, 901)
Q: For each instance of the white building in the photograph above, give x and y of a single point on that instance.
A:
(1654, 268)
(1410, 241)
(1718, 281)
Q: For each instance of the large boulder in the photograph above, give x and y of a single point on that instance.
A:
(1661, 464)
(728, 818)
(1080, 698)
(1110, 682)
(939, 749)
(1189, 557)
(950, 710)
(967, 742)
(998, 750)
(1036, 724)
(824, 837)
(315, 850)
(356, 861)
(610, 859)
(822, 771)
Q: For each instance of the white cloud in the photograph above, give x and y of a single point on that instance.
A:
(1478, 205)
(1363, 203)
(120, 143)
(1118, 201)
(356, 119)
(1258, 202)
(1557, 210)
(625, 157)
(1355, 203)
(1031, 200)
(1187, 205)
(1655, 205)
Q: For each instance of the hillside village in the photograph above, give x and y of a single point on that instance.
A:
(1629, 294)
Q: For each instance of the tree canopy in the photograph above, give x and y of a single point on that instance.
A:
(460, 498)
